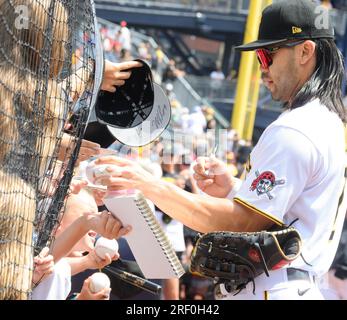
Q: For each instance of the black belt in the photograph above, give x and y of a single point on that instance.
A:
(298, 274)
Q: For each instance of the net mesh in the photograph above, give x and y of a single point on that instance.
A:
(47, 64)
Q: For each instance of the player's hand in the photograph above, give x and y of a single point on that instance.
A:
(86, 294)
(213, 177)
(125, 174)
(115, 74)
(107, 225)
(43, 265)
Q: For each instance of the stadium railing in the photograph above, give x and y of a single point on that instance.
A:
(215, 6)
(183, 90)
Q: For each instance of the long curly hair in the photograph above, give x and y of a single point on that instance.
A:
(326, 81)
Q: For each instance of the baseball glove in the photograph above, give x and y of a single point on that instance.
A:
(237, 258)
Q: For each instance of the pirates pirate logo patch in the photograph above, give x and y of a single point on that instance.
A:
(265, 182)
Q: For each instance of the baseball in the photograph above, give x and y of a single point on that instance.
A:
(98, 282)
(95, 172)
(104, 246)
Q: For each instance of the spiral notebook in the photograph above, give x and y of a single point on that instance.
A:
(148, 242)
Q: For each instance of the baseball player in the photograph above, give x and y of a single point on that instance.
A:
(296, 172)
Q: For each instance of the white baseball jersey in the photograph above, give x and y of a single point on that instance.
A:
(297, 171)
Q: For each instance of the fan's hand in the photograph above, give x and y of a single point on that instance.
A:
(115, 74)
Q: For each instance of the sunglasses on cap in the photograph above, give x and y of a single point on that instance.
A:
(264, 55)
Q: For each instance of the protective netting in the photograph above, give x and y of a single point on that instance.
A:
(47, 67)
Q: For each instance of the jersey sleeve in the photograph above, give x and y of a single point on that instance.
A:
(281, 166)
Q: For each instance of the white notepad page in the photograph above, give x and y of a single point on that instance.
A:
(149, 244)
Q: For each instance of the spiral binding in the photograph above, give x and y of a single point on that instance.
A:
(159, 234)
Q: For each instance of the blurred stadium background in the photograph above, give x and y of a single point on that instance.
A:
(199, 36)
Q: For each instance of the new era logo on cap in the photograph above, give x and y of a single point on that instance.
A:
(296, 30)
(291, 20)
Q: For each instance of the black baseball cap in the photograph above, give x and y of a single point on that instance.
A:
(291, 20)
(138, 112)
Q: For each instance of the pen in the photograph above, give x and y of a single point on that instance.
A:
(212, 158)
(91, 186)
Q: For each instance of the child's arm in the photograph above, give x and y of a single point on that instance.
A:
(102, 223)
(43, 266)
